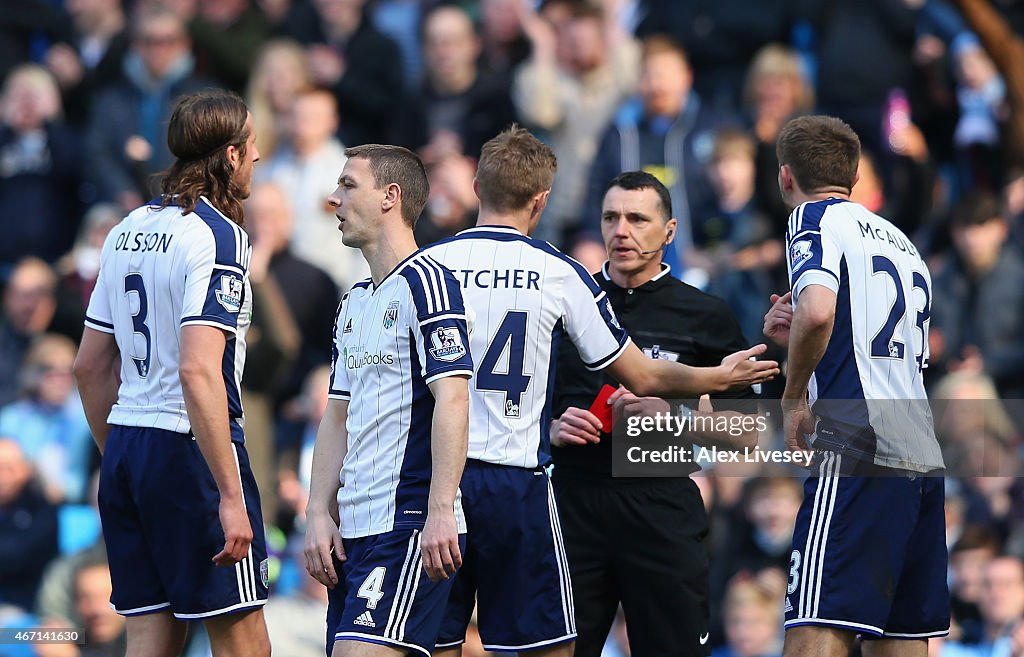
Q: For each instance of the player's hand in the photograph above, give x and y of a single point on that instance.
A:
(440, 544)
(626, 404)
(797, 424)
(778, 319)
(237, 532)
(323, 545)
(577, 426)
(742, 372)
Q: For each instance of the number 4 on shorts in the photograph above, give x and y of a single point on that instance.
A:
(370, 589)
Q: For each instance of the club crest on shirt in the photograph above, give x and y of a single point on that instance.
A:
(391, 315)
(230, 293)
(799, 253)
(447, 343)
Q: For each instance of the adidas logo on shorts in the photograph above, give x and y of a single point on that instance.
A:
(365, 619)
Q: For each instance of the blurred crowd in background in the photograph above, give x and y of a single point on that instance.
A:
(693, 91)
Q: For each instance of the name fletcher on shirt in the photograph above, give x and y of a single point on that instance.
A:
(516, 279)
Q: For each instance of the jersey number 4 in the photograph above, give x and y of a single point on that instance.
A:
(510, 336)
(133, 284)
(884, 344)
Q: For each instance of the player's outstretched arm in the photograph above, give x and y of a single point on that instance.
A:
(96, 373)
(448, 445)
(322, 534)
(202, 382)
(647, 377)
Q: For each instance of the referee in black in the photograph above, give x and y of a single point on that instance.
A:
(639, 541)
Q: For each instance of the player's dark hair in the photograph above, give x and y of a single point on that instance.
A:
(820, 151)
(202, 127)
(399, 166)
(636, 180)
(976, 208)
(514, 167)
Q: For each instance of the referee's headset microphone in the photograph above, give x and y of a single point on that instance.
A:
(668, 238)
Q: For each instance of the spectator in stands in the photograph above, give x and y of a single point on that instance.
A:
(279, 75)
(28, 306)
(55, 604)
(104, 627)
(357, 63)
(504, 44)
(93, 57)
(753, 626)
(734, 241)
(401, 20)
(40, 181)
(721, 37)
(776, 89)
(981, 95)
(126, 141)
(301, 170)
(79, 267)
(577, 75)
(459, 106)
(762, 538)
(452, 205)
(23, 25)
(226, 37)
(274, 339)
(967, 562)
(864, 52)
(977, 317)
(667, 132)
(1002, 609)
(310, 298)
(28, 529)
(48, 421)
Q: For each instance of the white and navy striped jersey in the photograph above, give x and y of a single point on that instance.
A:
(162, 270)
(390, 341)
(867, 391)
(525, 293)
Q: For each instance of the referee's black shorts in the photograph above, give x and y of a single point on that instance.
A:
(638, 542)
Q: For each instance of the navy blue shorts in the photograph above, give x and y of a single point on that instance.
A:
(514, 564)
(160, 510)
(383, 594)
(869, 554)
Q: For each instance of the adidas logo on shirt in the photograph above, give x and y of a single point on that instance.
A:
(365, 619)
(348, 327)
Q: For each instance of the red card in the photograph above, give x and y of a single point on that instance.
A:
(602, 410)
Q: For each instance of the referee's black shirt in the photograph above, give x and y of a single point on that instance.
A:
(664, 316)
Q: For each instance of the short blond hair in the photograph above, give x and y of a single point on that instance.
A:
(514, 167)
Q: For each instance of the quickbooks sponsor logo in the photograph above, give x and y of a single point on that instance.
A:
(354, 361)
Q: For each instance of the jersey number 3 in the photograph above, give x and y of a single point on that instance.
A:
(512, 382)
(133, 284)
